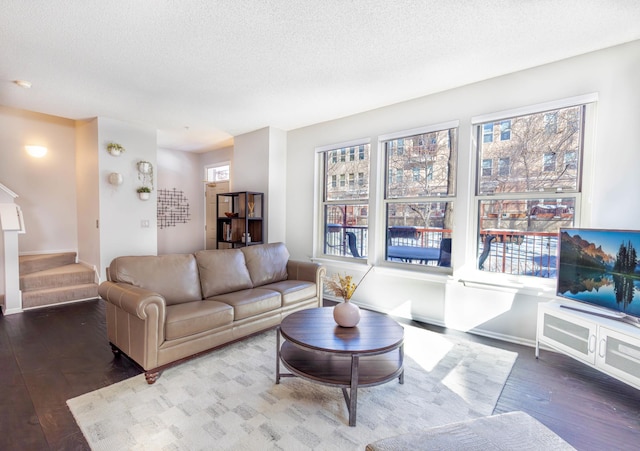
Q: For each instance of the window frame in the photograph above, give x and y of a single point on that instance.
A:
(384, 202)
(464, 260)
(580, 196)
(321, 202)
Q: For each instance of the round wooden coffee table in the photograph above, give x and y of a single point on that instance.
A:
(317, 349)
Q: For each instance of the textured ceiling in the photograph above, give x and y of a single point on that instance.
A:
(202, 71)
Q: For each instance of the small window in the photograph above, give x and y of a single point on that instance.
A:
(505, 130)
(218, 174)
(352, 154)
(503, 167)
(570, 160)
(551, 122)
(334, 181)
(487, 167)
(549, 162)
(487, 132)
(416, 174)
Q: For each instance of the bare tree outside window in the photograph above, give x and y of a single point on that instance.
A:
(533, 193)
(419, 193)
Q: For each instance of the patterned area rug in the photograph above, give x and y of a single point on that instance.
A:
(228, 400)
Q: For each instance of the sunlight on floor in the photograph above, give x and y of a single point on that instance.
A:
(457, 381)
(429, 357)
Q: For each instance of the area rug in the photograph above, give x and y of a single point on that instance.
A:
(228, 400)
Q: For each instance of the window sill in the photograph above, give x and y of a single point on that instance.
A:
(440, 275)
(540, 288)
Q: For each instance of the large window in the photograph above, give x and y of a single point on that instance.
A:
(345, 204)
(419, 206)
(534, 193)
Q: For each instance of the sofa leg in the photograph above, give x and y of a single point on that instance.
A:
(151, 376)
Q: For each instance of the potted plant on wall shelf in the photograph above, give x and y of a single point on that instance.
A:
(115, 149)
(144, 192)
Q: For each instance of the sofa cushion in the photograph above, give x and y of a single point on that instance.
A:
(194, 317)
(174, 276)
(293, 291)
(222, 271)
(266, 263)
(248, 303)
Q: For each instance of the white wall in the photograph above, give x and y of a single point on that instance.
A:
(184, 172)
(506, 313)
(251, 161)
(276, 195)
(46, 186)
(121, 211)
(259, 164)
(88, 191)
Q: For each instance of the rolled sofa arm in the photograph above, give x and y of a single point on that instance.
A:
(135, 321)
(132, 299)
(308, 271)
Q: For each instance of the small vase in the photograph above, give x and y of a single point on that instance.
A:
(144, 196)
(346, 314)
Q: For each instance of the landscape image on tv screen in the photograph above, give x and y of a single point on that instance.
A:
(600, 267)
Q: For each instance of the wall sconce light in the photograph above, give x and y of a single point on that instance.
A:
(36, 151)
(115, 178)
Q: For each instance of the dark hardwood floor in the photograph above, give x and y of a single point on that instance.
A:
(50, 355)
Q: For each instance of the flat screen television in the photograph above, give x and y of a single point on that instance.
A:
(599, 269)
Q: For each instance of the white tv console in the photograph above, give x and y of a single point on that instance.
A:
(609, 345)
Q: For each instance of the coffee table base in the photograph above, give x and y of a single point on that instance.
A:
(348, 371)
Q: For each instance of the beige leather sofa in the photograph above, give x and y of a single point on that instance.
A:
(163, 309)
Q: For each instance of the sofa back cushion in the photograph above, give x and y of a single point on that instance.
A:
(222, 271)
(174, 276)
(267, 263)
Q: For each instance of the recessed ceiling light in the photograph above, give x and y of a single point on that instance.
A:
(23, 83)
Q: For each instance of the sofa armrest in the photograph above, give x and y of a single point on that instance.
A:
(133, 300)
(308, 271)
(135, 321)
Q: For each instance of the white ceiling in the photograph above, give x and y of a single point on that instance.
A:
(203, 71)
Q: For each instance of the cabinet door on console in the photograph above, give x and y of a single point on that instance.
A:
(568, 334)
(619, 355)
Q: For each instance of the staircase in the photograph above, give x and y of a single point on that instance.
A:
(50, 279)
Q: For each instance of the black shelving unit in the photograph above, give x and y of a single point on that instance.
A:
(240, 219)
